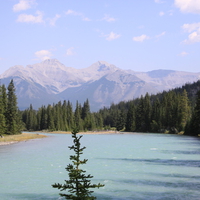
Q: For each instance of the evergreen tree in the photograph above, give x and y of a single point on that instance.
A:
(64, 115)
(31, 119)
(61, 125)
(147, 112)
(140, 115)
(193, 128)
(85, 109)
(78, 184)
(4, 99)
(130, 119)
(184, 111)
(77, 117)
(12, 118)
(86, 116)
(98, 121)
(69, 115)
(43, 118)
(50, 118)
(2, 114)
(57, 117)
(156, 116)
(121, 121)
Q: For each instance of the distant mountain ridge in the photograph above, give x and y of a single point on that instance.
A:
(102, 83)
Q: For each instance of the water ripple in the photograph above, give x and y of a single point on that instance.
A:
(158, 161)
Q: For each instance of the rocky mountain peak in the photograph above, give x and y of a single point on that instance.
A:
(49, 64)
(102, 67)
(13, 71)
(103, 83)
(53, 62)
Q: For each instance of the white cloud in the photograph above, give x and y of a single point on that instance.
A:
(38, 18)
(74, 13)
(141, 38)
(160, 35)
(43, 54)
(194, 30)
(52, 21)
(85, 19)
(161, 13)
(108, 18)
(70, 51)
(188, 6)
(112, 36)
(191, 27)
(183, 54)
(23, 5)
(193, 38)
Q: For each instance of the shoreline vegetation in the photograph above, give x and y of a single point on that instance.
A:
(11, 139)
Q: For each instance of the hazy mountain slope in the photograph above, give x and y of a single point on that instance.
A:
(102, 83)
(111, 88)
(167, 79)
(30, 93)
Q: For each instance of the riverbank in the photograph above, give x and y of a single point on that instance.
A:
(10, 139)
(81, 133)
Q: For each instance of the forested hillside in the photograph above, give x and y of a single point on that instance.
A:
(174, 111)
(169, 112)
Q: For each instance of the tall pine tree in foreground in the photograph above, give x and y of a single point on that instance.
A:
(2, 113)
(79, 184)
(13, 121)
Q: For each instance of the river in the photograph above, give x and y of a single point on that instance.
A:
(132, 167)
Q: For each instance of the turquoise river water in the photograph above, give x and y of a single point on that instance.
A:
(132, 167)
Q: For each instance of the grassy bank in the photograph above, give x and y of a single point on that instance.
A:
(9, 139)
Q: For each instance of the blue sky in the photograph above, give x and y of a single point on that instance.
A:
(141, 35)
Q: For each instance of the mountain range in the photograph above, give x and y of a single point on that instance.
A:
(102, 83)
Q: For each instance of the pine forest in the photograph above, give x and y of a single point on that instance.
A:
(175, 111)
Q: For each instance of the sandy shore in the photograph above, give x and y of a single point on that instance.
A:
(28, 136)
(11, 139)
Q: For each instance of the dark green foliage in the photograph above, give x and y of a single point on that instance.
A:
(121, 121)
(77, 117)
(79, 184)
(50, 118)
(130, 121)
(165, 112)
(31, 121)
(156, 116)
(2, 114)
(184, 110)
(193, 127)
(10, 116)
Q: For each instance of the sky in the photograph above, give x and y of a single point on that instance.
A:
(141, 35)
